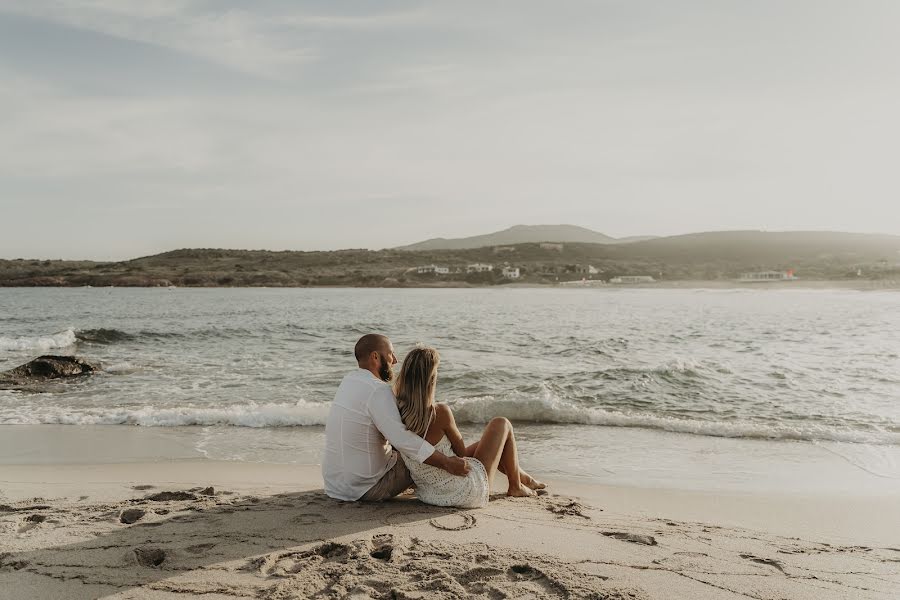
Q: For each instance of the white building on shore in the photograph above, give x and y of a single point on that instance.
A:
(433, 269)
(479, 268)
(769, 276)
(632, 279)
(511, 272)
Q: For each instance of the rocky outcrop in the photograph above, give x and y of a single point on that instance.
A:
(49, 367)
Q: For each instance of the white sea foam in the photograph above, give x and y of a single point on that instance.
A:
(123, 367)
(63, 339)
(537, 410)
(252, 414)
(548, 409)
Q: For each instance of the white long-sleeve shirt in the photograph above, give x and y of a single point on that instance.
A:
(363, 423)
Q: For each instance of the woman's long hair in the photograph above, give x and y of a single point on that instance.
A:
(414, 388)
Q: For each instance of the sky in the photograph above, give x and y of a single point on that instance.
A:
(132, 128)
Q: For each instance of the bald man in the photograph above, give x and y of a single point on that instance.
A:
(364, 428)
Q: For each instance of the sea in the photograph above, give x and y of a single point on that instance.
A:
(711, 389)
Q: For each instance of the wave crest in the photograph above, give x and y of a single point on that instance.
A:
(550, 410)
(103, 336)
(301, 413)
(475, 410)
(42, 343)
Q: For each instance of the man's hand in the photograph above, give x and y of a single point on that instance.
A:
(452, 464)
(457, 466)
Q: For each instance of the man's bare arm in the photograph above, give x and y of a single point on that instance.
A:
(452, 464)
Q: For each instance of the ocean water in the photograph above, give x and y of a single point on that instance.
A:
(716, 387)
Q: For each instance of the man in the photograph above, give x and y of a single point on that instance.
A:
(363, 423)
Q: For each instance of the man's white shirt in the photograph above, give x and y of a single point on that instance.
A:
(362, 425)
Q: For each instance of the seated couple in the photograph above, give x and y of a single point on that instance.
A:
(369, 419)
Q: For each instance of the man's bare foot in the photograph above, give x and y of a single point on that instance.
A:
(532, 482)
(521, 491)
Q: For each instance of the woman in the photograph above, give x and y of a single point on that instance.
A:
(496, 450)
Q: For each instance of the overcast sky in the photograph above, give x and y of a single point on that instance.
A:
(130, 128)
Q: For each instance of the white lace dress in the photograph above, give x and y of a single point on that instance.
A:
(438, 487)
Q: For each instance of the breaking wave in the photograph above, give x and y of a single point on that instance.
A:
(103, 336)
(240, 415)
(475, 410)
(553, 411)
(42, 343)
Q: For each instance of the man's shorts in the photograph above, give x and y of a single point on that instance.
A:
(393, 482)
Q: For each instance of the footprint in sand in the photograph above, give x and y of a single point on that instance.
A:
(567, 508)
(634, 538)
(131, 515)
(200, 548)
(170, 496)
(30, 522)
(382, 546)
(769, 562)
(386, 566)
(455, 522)
(149, 557)
(308, 518)
(527, 572)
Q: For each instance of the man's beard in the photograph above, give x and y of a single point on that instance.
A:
(385, 371)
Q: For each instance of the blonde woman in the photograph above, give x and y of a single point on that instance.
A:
(496, 450)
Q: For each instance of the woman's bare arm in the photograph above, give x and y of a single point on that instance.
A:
(448, 423)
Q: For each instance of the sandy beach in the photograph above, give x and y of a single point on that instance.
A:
(217, 530)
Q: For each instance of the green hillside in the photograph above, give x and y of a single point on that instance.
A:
(702, 256)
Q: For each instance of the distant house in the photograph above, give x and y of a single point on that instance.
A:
(433, 269)
(479, 268)
(632, 279)
(551, 246)
(502, 249)
(586, 270)
(511, 272)
(769, 276)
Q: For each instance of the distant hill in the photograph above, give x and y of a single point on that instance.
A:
(523, 234)
(767, 247)
(711, 256)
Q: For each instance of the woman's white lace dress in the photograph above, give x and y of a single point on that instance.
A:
(438, 487)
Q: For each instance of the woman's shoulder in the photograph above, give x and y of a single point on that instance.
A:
(442, 409)
(443, 418)
(443, 414)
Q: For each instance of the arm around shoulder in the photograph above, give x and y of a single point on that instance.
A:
(386, 417)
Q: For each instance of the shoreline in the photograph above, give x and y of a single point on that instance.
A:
(687, 284)
(574, 454)
(238, 530)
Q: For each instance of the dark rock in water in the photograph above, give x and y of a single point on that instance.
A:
(210, 491)
(50, 367)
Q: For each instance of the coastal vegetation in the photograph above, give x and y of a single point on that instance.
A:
(716, 256)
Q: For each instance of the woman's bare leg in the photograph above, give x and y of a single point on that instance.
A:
(497, 451)
(524, 477)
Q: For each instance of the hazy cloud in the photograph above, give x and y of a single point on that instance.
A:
(131, 128)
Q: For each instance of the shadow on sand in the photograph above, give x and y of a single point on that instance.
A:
(178, 536)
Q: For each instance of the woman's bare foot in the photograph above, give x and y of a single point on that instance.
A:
(522, 491)
(531, 482)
